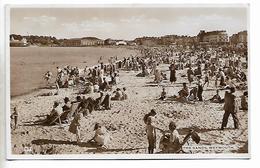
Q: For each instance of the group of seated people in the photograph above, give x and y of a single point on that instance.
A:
(61, 114)
(188, 96)
(120, 94)
(96, 84)
(67, 76)
(58, 114)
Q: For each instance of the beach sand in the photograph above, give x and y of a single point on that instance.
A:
(125, 120)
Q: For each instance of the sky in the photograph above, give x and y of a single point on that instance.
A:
(126, 23)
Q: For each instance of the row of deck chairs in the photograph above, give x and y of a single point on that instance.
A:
(66, 116)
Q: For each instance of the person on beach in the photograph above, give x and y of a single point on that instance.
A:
(200, 91)
(59, 70)
(222, 77)
(199, 70)
(190, 75)
(66, 105)
(193, 94)
(101, 75)
(152, 113)
(101, 137)
(216, 81)
(163, 94)
(54, 114)
(125, 96)
(158, 77)
(118, 95)
(151, 135)
(105, 85)
(244, 101)
(172, 73)
(14, 116)
(104, 101)
(216, 98)
(170, 141)
(86, 70)
(89, 88)
(66, 109)
(48, 76)
(74, 127)
(229, 82)
(230, 107)
(184, 92)
(207, 74)
(84, 105)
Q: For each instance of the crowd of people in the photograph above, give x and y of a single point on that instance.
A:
(219, 69)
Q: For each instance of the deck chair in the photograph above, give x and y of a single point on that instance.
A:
(164, 142)
(57, 118)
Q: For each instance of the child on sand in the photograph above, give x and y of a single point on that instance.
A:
(75, 126)
(125, 97)
(15, 117)
(101, 137)
(216, 98)
(163, 95)
(151, 135)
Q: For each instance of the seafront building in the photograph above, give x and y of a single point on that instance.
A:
(218, 37)
(213, 37)
(91, 41)
(239, 39)
(73, 42)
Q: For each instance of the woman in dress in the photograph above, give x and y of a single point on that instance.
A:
(172, 73)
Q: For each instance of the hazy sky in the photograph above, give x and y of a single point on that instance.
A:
(125, 23)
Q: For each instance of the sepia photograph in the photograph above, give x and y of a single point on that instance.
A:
(156, 81)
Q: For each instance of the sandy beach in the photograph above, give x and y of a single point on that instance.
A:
(124, 122)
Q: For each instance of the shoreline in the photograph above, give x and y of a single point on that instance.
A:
(81, 64)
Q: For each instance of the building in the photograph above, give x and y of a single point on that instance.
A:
(131, 43)
(18, 43)
(74, 42)
(242, 37)
(147, 41)
(91, 41)
(110, 41)
(239, 39)
(213, 37)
